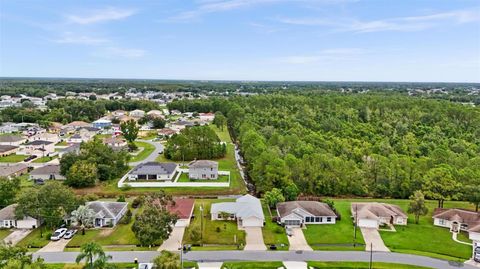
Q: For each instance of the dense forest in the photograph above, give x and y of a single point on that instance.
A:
(381, 145)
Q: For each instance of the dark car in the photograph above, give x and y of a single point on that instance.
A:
(39, 181)
(29, 158)
(273, 247)
(476, 257)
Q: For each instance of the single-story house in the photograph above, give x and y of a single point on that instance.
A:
(80, 137)
(373, 214)
(115, 142)
(102, 123)
(118, 113)
(9, 220)
(183, 208)
(55, 127)
(6, 150)
(203, 169)
(153, 171)
(37, 147)
(474, 235)
(456, 219)
(13, 170)
(137, 113)
(155, 114)
(45, 137)
(107, 213)
(247, 210)
(47, 172)
(74, 125)
(299, 213)
(73, 148)
(166, 132)
(180, 125)
(12, 140)
(206, 116)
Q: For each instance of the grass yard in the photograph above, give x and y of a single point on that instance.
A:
(12, 158)
(254, 265)
(184, 178)
(62, 143)
(80, 266)
(224, 236)
(147, 150)
(273, 234)
(4, 233)
(363, 265)
(338, 236)
(35, 240)
(43, 159)
(149, 136)
(222, 134)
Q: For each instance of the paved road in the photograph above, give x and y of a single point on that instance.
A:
(151, 158)
(219, 256)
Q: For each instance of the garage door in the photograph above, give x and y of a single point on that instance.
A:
(367, 223)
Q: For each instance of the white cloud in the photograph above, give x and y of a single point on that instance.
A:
(70, 38)
(118, 52)
(402, 24)
(335, 54)
(103, 15)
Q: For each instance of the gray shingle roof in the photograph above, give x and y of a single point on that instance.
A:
(203, 163)
(39, 142)
(313, 207)
(47, 170)
(154, 168)
(374, 210)
(6, 148)
(244, 207)
(8, 213)
(8, 170)
(10, 138)
(106, 209)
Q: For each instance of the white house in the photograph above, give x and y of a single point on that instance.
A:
(12, 140)
(153, 171)
(456, 219)
(247, 210)
(203, 169)
(299, 213)
(54, 138)
(47, 172)
(107, 213)
(155, 114)
(373, 215)
(137, 113)
(9, 220)
(474, 235)
(206, 116)
(37, 147)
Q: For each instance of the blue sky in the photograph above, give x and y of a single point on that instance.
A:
(318, 40)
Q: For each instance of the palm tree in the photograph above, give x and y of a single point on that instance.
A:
(84, 216)
(167, 260)
(94, 256)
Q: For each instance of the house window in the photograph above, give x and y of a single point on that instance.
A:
(329, 219)
(309, 219)
(441, 221)
(318, 219)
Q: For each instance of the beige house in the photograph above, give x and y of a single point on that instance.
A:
(13, 170)
(45, 137)
(374, 215)
(300, 213)
(6, 150)
(37, 147)
(456, 219)
(12, 140)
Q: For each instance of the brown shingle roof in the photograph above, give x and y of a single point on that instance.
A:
(313, 207)
(471, 218)
(475, 229)
(374, 210)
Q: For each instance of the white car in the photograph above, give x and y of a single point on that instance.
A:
(289, 231)
(59, 233)
(69, 234)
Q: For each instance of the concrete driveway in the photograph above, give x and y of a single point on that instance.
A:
(174, 241)
(295, 265)
(373, 239)
(254, 239)
(16, 236)
(55, 246)
(297, 241)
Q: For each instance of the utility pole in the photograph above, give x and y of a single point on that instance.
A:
(201, 225)
(181, 256)
(355, 228)
(371, 255)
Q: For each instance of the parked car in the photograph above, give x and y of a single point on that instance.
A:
(58, 234)
(29, 158)
(273, 247)
(69, 234)
(289, 231)
(39, 181)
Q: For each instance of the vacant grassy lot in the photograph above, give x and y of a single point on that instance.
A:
(184, 178)
(248, 265)
(273, 234)
(217, 233)
(147, 150)
(12, 158)
(338, 236)
(363, 265)
(4, 233)
(43, 159)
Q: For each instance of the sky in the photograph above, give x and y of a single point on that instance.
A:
(297, 40)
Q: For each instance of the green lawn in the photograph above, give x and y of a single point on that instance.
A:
(363, 265)
(273, 234)
(222, 134)
(4, 233)
(149, 136)
(224, 236)
(252, 265)
(338, 236)
(43, 159)
(12, 158)
(80, 266)
(62, 143)
(184, 178)
(147, 150)
(34, 239)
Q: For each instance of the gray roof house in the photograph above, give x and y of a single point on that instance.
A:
(203, 169)
(9, 220)
(299, 213)
(153, 171)
(107, 213)
(247, 210)
(373, 214)
(12, 140)
(47, 172)
(13, 170)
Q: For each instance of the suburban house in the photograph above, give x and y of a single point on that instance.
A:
(13, 170)
(74, 125)
(206, 116)
(153, 171)
(374, 215)
(47, 172)
(247, 210)
(137, 113)
(115, 143)
(300, 213)
(6, 150)
(74, 148)
(183, 208)
(155, 114)
(456, 219)
(203, 169)
(12, 140)
(102, 123)
(107, 213)
(180, 125)
(55, 127)
(45, 137)
(9, 220)
(37, 147)
(83, 134)
(118, 113)
(474, 235)
(166, 132)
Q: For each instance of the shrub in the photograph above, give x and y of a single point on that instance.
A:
(218, 229)
(126, 187)
(127, 218)
(121, 198)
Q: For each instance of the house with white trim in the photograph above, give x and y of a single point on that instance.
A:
(107, 213)
(456, 219)
(246, 210)
(374, 215)
(153, 171)
(300, 213)
(9, 220)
